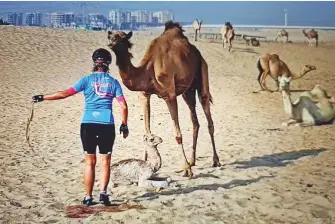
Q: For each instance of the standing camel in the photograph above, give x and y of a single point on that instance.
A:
(270, 64)
(196, 26)
(228, 35)
(170, 67)
(312, 34)
(281, 34)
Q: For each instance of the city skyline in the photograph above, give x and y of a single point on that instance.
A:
(116, 19)
(265, 13)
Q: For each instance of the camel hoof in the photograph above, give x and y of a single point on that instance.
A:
(216, 163)
(188, 173)
(284, 124)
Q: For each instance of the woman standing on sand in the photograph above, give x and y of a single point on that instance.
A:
(97, 126)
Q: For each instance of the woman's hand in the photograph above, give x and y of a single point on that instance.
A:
(124, 130)
(38, 98)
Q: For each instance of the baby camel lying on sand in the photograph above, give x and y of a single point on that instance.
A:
(140, 171)
(312, 108)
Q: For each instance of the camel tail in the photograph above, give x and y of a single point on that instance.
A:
(203, 85)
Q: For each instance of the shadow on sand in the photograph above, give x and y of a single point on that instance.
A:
(278, 159)
(208, 187)
(246, 50)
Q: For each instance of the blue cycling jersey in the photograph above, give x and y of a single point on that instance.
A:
(99, 89)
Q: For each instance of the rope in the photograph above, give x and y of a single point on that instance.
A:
(28, 131)
(28, 126)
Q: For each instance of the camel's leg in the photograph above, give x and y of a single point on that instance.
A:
(224, 42)
(171, 101)
(264, 76)
(145, 106)
(195, 36)
(316, 42)
(287, 39)
(204, 99)
(276, 38)
(291, 121)
(304, 124)
(189, 97)
(230, 44)
(277, 85)
(260, 75)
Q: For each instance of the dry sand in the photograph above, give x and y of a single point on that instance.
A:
(272, 174)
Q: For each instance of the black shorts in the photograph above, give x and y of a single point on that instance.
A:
(93, 135)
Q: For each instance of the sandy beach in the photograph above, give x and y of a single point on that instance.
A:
(270, 173)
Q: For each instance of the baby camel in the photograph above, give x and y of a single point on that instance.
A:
(270, 64)
(305, 112)
(140, 171)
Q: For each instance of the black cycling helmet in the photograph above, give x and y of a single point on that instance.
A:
(102, 55)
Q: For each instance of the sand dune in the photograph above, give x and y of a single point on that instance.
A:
(272, 174)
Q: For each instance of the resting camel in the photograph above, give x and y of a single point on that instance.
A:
(252, 41)
(270, 64)
(312, 34)
(304, 112)
(196, 26)
(228, 35)
(140, 171)
(170, 67)
(281, 34)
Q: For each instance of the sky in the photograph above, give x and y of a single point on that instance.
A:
(304, 13)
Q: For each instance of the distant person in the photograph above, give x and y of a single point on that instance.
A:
(1, 21)
(97, 125)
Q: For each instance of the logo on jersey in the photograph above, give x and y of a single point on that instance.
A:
(103, 89)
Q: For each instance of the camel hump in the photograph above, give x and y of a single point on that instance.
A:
(170, 25)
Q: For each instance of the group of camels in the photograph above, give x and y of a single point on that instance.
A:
(228, 35)
(312, 34)
(312, 107)
(172, 66)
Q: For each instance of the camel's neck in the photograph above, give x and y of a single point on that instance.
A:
(298, 75)
(154, 158)
(288, 106)
(134, 78)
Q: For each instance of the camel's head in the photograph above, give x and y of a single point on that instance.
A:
(119, 40)
(284, 82)
(308, 68)
(152, 140)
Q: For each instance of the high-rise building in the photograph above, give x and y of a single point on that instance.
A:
(142, 16)
(118, 17)
(34, 19)
(163, 16)
(62, 19)
(15, 19)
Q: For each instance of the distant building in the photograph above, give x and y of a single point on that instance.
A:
(34, 19)
(163, 16)
(142, 16)
(62, 19)
(119, 18)
(15, 19)
(46, 20)
(97, 20)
